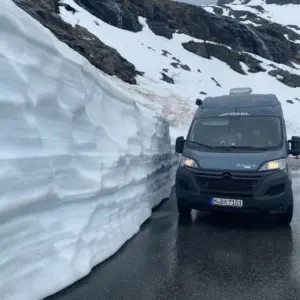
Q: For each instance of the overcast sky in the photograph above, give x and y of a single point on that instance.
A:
(199, 2)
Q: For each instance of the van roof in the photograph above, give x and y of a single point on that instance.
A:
(251, 104)
(241, 100)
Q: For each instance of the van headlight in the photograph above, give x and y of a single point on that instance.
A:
(188, 162)
(279, 164)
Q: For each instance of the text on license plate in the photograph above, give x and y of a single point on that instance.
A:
(226, 202)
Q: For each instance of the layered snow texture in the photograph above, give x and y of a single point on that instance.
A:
(81, 162)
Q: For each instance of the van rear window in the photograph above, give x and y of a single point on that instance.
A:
(252, 131)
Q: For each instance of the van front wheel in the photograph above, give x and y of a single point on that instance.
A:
(183, 210)
(287, 217)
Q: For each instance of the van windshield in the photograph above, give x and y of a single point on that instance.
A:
(237, 132)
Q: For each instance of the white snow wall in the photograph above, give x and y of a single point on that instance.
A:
(81, 163)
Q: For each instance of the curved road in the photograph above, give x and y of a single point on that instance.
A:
(206, 258)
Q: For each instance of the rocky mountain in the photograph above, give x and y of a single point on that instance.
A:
(226, 37)
(165, 17)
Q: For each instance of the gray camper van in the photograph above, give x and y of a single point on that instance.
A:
(235, 156)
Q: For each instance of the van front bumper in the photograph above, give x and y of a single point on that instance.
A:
(260, 191)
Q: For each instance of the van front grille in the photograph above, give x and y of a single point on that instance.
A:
(244, 184)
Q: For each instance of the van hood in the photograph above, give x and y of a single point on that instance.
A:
(232, 161)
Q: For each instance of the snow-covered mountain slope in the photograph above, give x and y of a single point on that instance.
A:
(82, 162)
(191, 74)
(272, 11)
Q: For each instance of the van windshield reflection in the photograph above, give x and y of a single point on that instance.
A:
(237, 133)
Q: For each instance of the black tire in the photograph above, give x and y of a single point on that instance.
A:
(287, 217)
(184, 211)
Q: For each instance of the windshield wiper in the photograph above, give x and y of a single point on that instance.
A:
(242, 147)
(226, 147)
(203, 145)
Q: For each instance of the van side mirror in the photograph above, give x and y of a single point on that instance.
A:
(179, 144)
(199, 102)
(295, 145)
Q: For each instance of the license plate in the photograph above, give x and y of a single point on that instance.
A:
(226, 202)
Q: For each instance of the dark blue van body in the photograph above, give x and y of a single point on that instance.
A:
(235, 157)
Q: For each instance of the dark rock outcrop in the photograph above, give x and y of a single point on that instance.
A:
(244, 15)
(224, 2)
(292, 80)
(69, 8)
(113, 12)
(294, 27)
(282, 2)
(216, 82)
(230, 57)
(175, 65)
(274, 30)
(218, 10)
(270, 36)
(79, 39)
(165, 53)
(179, 65)
(258, 7)
(185, 67)
(167, 79)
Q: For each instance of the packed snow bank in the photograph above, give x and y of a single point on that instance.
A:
(82, 163)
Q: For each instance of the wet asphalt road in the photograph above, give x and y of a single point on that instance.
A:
(209, 257)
